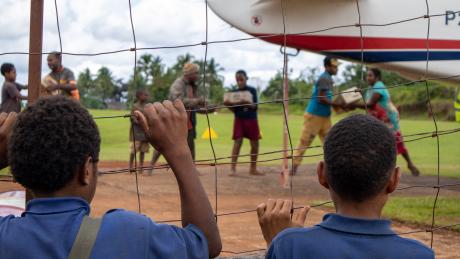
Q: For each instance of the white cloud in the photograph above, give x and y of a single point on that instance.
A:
(104, 25)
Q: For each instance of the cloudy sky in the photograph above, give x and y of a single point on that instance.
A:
(89, 26)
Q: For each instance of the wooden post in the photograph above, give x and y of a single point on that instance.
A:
(285, 173)
(35, 49)
(35, 56)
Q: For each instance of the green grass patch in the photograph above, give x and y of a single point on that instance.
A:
(115, 141)
(5, 171)
(418, 210)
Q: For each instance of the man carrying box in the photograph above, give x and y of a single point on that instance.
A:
(317, 118)
(245, 124)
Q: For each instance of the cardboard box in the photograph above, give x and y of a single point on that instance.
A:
(46, 82)
(348, 96)
(238, 97)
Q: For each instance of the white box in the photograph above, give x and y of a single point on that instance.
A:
(348, 96)
(351, 95)
(238, 97)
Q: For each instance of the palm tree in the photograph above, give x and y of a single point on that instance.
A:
(85, 82)
(104, 83)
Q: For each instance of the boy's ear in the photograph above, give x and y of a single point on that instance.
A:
(86, 172)
(321, 172)
(394, 180)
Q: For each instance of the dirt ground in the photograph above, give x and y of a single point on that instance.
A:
(240, 232)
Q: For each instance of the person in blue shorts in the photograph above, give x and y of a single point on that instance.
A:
(359, 171)
(54, 152)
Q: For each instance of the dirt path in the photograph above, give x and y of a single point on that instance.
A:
(160, 200)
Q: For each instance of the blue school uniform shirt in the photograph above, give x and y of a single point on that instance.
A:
(344, 237)
(245, 112)
(315, 107)
(48, 228)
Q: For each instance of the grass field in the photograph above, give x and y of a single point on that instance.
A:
(418, 210)
(115, 144)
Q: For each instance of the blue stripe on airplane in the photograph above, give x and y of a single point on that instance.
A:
(396, 56)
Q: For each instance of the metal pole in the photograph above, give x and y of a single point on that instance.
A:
(35, 56)
(285, 131)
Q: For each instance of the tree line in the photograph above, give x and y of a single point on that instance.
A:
(152, 74)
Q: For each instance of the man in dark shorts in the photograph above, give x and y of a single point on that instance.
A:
(11, 97)
(245, 124)
(139, 142)
(185, 88)
(64, 79)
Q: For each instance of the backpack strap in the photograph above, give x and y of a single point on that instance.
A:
(86, 237)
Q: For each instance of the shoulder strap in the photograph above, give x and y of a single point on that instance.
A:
(86, 237)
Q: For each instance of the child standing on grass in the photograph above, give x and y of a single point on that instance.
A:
(11, 97)
(139, 143)
(245, 125)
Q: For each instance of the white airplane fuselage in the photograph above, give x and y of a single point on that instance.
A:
(329, 27)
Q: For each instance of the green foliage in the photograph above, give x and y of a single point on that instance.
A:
(96, 91)
(214, 81)
(155, 77)
(299, 87)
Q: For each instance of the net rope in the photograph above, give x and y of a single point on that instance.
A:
(215, 161)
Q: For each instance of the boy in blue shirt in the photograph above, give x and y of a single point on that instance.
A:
(54, 151)
(360, 172)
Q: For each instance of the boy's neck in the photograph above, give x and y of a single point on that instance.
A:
(370, 209)
(9, 80)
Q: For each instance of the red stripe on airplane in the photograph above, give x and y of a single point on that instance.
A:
(325, 43)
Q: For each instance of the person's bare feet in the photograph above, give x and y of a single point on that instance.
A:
(414, 170)
(255, 172)
(232, 172)
(293, 170)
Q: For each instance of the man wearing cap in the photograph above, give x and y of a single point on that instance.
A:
(185, 88)
(317, 117)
